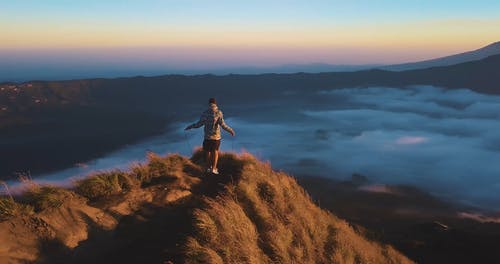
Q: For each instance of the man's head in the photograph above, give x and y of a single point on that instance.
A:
(212, 101)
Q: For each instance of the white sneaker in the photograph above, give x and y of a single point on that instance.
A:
(215, 171)
(209, 170)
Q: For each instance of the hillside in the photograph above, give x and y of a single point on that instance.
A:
(479, 54)
(168, 210)
(157, 94)
(152, 93)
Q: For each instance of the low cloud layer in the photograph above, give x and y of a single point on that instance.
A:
(444, 141)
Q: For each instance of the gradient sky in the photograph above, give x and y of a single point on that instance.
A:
(185, 34)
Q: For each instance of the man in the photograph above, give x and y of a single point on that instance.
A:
(213, 120)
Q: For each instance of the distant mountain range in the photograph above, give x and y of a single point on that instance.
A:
(55, 72)
(490, 50)
(295, 68)
(480, 75)
(484, 52)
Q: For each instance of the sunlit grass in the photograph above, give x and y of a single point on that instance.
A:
(45, 197)
(258, 216)
(105, 184)
(9, 208)
(269, 218)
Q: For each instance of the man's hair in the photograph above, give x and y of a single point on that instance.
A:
(212, 101)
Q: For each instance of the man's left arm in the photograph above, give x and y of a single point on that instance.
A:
(225, 126)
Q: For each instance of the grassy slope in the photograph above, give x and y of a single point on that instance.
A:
(266, 217)
(168, 209)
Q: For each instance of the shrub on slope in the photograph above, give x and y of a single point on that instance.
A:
(104, 184)
(44, 197)
(12, 209)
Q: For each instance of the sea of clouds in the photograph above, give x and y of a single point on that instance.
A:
(444, 141)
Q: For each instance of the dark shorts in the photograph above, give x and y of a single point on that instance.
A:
(211, 145)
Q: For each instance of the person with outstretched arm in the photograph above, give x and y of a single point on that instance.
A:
(212, 120)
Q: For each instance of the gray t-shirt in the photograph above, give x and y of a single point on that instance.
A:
(213, 120)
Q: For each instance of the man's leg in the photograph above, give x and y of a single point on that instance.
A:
(215, 158)
(208, 159)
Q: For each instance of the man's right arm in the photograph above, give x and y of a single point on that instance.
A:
(198, 124)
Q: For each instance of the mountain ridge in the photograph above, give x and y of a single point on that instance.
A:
(169, 210)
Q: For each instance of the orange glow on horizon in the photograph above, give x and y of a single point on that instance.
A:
(420, 39)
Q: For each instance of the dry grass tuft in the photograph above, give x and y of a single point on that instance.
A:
(173, 169)
(158, 167)
(199, 254)
(198, 157)
(105, 184)
(229, 163)
(237, 242)
(11, 209)
(44, 197)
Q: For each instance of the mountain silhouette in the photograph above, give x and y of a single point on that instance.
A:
(491, 49)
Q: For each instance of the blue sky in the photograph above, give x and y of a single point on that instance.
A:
(268, 11)
(199, 34)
